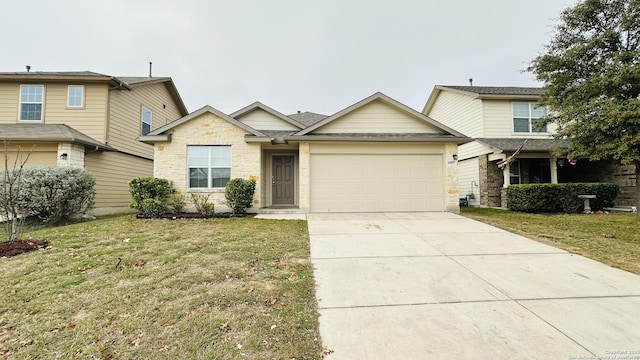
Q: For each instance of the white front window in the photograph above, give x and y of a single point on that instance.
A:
(526, 118)
(31, 100)
(209, 166)
(75, 96)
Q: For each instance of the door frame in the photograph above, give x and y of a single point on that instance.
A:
(269, 188)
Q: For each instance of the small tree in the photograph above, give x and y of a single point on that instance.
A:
(11, 210)
(239, 195)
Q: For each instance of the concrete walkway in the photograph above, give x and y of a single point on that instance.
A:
(441, 286)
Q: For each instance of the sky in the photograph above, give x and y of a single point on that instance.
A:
(292, 55)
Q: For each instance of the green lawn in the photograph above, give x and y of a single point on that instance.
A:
(612, 239)
(238, 288)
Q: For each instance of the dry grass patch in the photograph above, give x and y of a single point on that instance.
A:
(124, 288)
(613, 239)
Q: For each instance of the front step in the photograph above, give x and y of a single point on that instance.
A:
(280, 210)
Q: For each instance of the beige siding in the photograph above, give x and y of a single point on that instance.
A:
(42, 154)
(262, 120)
(112, 171)
(9, 98)
(207, 129)
(499, 121)
(469, 180)
(460, 112)
(125, 116)
(89, 120)
(472, 149)
(377, 117)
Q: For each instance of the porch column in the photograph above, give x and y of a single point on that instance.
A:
(506, 177)
(554, 169)
(304, 158)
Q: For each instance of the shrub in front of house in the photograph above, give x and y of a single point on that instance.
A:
(54, 193)
(239, 194)
(546, 198)
(145, 189)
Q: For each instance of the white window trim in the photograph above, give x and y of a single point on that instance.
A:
(530, 132)
(41, 103)
(142, 121)
(81, 106)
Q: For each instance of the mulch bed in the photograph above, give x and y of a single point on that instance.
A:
(13, 248)
(193, 215)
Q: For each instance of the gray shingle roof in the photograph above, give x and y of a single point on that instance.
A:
(533, 145)
(132, 80)
(48, 132)
(497, 90)
(307, 118)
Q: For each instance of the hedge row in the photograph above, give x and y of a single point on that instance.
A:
(536, 198)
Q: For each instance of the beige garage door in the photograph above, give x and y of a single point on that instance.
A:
(376, 182)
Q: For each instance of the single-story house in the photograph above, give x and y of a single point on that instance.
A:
(375, 155)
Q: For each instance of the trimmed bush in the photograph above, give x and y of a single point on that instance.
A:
(143, 188)
(54, 193)
(239, 194)
(560, 197)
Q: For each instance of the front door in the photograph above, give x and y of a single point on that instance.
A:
(282, 177)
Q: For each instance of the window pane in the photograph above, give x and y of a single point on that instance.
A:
(514, 180)
(538, 126)
(30, 112)
(521, 125)
(520, 110)
(538, 111)
(514, 168)
(31, 93)
(198, 178)
(75, 96)
(146, 128)
(220, 177)
(198, 156)
(221, 156)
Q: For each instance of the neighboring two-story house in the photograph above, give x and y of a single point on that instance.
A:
(501, 120)
(88, 120)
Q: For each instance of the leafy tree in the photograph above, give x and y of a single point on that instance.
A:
(591, 76)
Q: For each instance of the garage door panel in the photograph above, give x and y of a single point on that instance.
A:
(376, 182)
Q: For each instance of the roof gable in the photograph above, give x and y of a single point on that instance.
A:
(373, 114)
(485, 92)
(262, 117)
(163, 133)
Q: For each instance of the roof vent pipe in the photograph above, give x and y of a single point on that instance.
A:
(470, 81)
(28, 68)
(150, 67)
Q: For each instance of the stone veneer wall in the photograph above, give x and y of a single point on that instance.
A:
(452, 201)
(304, 158)
(491, 181)
(75, 155)
(170, 158)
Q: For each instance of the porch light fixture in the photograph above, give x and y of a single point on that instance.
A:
(63, 156)
(455, 157)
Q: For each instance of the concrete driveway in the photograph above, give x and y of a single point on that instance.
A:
(441, 286)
